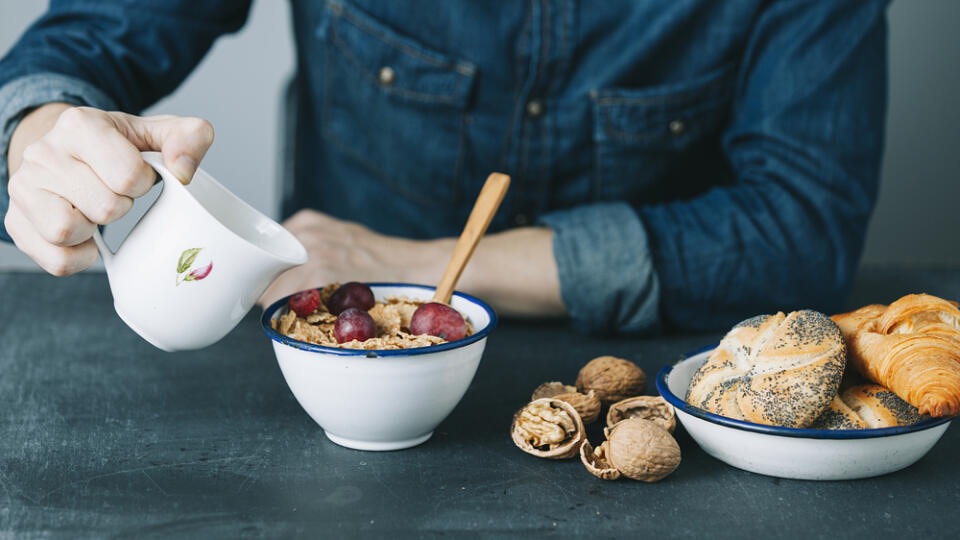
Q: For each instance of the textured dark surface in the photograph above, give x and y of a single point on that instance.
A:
(102, 435)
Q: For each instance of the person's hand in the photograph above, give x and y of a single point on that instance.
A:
(73, 168)
(341, 251)
(514, 270)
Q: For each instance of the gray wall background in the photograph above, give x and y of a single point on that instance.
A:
(239, 85)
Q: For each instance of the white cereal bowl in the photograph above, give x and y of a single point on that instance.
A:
(806, 454)
(386, 399)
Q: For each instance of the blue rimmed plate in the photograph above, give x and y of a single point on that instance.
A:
(808, 454)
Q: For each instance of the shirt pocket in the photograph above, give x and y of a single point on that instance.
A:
(394, 106)
(643, 137)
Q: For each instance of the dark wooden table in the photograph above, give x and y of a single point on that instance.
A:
(103, 435)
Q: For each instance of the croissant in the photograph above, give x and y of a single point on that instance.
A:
(781, 370)
(912, 347)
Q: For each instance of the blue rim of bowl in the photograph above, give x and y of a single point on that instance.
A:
(682, 405)
(303, 345)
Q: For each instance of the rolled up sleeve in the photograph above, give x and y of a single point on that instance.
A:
(22, 95)
(107, 54)
(804, 142)
(607, 277)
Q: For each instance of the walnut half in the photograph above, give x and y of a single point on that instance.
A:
(642, 450)
(550, 389)
(595, 460)
(548, 428)
(587, 405)
(653, 408)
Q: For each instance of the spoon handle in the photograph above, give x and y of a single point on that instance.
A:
(483, 210)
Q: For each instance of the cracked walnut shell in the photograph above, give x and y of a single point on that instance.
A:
(612, 378)
(548, 428)
(595, 460)
(587, 405)
(550, 389)
(653, 408)
(642, 450)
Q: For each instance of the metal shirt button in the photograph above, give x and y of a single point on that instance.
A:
(521, 219)
(387, 75)
(535, 108)
(677, 127)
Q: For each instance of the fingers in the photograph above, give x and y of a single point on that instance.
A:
(56, 220)
(57, 260)
(308, 219)
(302, 219)
(86, 170)
(182, 140)
(91, 136)
(73, 181)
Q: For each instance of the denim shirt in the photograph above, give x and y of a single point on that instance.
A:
(698, 161)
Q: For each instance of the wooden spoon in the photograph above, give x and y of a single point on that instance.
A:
(483, 210)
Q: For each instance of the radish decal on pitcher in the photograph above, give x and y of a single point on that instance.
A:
(187, 259)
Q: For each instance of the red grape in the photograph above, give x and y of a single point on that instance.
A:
(438, 320)
(350, 295)
(304, 302)
(354, 324)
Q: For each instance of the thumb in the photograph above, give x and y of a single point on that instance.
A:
(182, 140)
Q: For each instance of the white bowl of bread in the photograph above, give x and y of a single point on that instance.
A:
(809, 397)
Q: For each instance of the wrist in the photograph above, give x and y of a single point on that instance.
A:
(430, 261)
(515, 271)
(32, 127)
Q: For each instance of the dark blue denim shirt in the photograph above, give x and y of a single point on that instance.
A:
(698, 161)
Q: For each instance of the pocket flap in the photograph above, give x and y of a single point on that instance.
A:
(668, 116)
(395, 63)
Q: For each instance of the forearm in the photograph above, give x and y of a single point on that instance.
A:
(515, 271)
(130, 52)
(33, 126)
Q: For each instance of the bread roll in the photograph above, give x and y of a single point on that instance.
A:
(912, 348)
(838, 416)
(781, 370)
(879, 407)
(867, 406)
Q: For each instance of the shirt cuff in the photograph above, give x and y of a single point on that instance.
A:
(607, 278)
(20, 96)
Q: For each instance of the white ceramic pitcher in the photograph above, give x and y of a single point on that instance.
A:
(195, 263)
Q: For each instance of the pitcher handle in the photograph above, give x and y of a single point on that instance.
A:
(155, 160)
(105, 254)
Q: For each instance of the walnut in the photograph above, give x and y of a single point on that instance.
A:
(642, 450)
(595, 460)
(653, 408)
(587, 405)
(548, 428)
(612, 378)
(550, 389)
